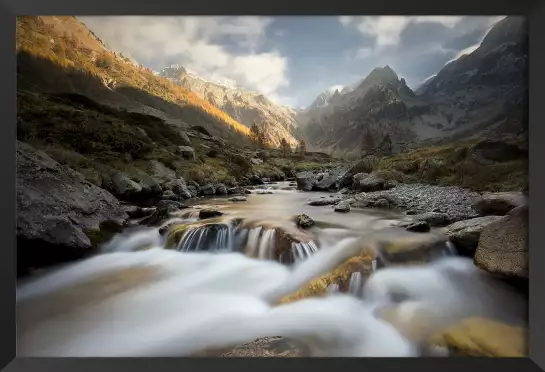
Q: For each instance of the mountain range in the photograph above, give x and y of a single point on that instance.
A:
(479, 93)
(482, 92)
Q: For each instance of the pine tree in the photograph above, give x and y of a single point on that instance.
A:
(255, 134)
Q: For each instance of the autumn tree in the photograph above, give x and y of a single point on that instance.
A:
(285, 146)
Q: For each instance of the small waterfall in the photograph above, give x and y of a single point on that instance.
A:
(302, 250)
(451, 249)
(374, 265)
(355, 284)
(253, 240)
(267, 244)
(212, 237)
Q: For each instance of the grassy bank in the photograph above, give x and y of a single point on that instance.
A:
(448, 165)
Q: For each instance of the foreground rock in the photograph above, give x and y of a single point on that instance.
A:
(465, 234)
(265, 347)
(179, 188)
(499, 203)
(303, 221)
(54, 206)
(480, 337)
(503, 245)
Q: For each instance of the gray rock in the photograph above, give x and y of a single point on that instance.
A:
(54, 205)
(184, 137)
(369, 182)
(346, 180)
(256, 161)
(433, 218)
(209, 213)
(172, 205)
(220, 189)
(306, 181)
(170, 195)
(137, 212)
(324, 201)
(193, 191)
(179, 187)
(237, 199)
(503, 245)
(186, 152)
(264, 192)
(125, 188)
(382, 203)
(342, 207)
(303, 221)
(499, 203)
(160, 172)
(465, 234)
(207, 189)
(419, 226)
(328, 181)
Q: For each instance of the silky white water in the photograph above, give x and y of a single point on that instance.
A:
(179, 303)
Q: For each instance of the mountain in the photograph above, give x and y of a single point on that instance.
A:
(242, 105)
(61, 55)
(479, 93)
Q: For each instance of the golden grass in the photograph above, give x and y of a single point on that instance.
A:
(340, 275)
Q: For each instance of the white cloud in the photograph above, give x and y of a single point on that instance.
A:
(198, 43)
(387, 29)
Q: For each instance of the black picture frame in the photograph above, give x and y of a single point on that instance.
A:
(533, 9)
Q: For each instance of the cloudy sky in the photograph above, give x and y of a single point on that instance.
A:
(292, 59)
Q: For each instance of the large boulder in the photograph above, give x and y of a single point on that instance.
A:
(150, 186)
(498, 203)
(342, 207)
(433, 218)
(465, 234)
(369, 182)
(55, 205)
(256, 180)
(186, 152)
(503, 245)
(306, 181)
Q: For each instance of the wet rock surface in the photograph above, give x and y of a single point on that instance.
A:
(465, 234)
(303, 221)
(498, 203)
(503, 245)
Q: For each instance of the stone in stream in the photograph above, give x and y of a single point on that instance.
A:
(503, 245)
(342, 207)
(465, 234)
(306, 181)
(324, 201)
(209, 213)
(369, 182)
(303, 221)
(264, 192)
(382, 203)
(418, 226)
(237, 199)
(433, 218)
(498, 203)
(55, 204)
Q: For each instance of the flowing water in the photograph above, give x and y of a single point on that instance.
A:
(220, 285)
